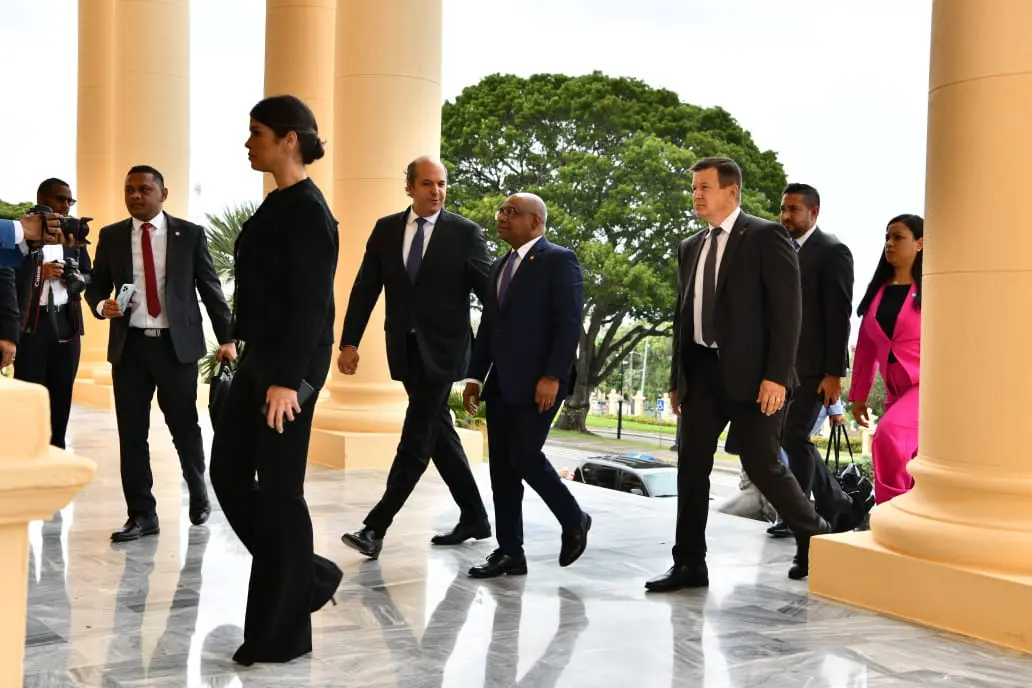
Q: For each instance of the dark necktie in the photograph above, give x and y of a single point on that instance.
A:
(795, 244)
(150, 278)
(503, 284)
(415, 254)
(709, 289)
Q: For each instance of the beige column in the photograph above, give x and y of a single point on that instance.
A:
(152, 94)
(387, 99)
(98, 191)
(956, 552)
(35, 481)
(299, 40)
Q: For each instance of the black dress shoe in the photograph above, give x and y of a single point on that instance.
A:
(365, 541)
(135, 528)
(199, 512)
(680, 576)
(574, 542)
(499, 564)
(780, 530)
(800, 569)
(462, 532)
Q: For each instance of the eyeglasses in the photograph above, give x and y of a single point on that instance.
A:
(508, 211)
(65, 199)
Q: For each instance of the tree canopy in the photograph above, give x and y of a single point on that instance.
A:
(611, 158)
(12, 211)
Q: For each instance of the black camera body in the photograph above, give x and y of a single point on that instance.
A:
(71, 276)
(77, 227)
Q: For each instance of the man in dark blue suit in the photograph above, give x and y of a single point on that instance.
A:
(524, 354)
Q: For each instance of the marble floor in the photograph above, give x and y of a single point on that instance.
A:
(168, 610)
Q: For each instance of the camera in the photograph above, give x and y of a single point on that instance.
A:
(71, 276)
(77, 227)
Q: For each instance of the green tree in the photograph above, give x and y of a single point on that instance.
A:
(12, 211)
(611, 158)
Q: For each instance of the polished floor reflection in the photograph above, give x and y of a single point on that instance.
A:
(168, 610)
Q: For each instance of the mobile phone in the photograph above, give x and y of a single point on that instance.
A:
(125, 296)
(304, 393)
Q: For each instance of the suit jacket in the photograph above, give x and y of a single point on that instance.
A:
(758, 310)
(10, 255)
(10, 314)
(188, 270)
(873, 346)
(826, 273)
(535, 332)
(285, 261)
(436, 306)
(29, 291)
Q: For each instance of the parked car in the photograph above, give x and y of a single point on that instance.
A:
(636, 474)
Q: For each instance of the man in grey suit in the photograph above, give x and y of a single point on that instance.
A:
(157, 341)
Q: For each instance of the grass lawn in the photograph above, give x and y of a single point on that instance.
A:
(657, 430)
(610, 424)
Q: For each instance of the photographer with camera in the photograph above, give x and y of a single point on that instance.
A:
(50, 283)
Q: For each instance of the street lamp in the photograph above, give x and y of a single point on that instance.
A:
(619, 404)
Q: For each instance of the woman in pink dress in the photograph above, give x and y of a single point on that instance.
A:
(890, 341)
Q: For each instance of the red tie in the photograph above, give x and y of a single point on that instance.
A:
(150, 278)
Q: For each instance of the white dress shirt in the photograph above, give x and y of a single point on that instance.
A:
(518, 255)
(138, 316)
(410, 232)
(53, 253)
(802, 240)
(726, 225)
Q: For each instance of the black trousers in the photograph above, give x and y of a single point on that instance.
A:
(150, 363)
(50, 358)
(705, 411)
(428, 433)
(805, 460)
(269, 514)
(516, 433)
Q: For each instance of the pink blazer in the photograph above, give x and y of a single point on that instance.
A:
(873, 346)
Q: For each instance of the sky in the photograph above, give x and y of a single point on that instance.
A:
(837, 87)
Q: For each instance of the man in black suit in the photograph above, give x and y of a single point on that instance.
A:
(427, 261)
(525, 351)
(736, 330)
(826, 273)
(50, 301)
(158, 340)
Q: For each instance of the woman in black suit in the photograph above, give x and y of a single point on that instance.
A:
(285, 258)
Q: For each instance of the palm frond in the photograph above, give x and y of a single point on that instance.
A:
(222, 231)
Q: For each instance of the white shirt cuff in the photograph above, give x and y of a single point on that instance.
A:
(469, 379)
(100, 309)
(19, 238)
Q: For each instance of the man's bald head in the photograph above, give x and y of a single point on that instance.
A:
(532, 204)
(521, 218)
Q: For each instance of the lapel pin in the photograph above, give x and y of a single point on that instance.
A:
(177, 233)
(532, 257)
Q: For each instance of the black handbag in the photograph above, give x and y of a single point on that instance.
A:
(849, 476)
(218, 390)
